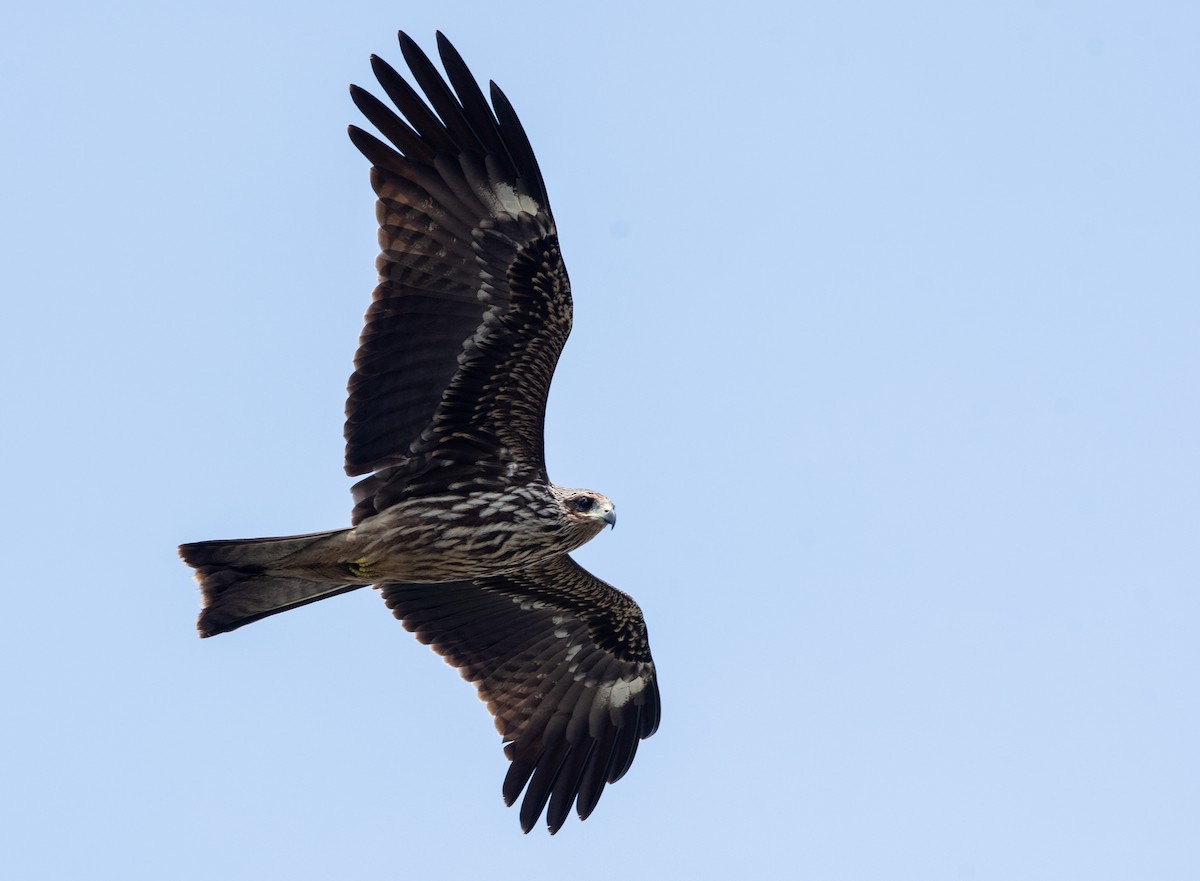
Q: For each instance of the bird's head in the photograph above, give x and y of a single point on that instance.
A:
(587, 509)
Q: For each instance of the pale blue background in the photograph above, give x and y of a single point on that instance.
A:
(886, 347)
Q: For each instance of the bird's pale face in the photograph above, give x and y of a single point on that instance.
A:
(588, 510)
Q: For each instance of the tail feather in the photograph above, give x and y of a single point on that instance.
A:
(245, 552)
(244, 580)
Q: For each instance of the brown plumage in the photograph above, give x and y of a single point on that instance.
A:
(456, 520)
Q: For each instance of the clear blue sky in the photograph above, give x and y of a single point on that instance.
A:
(887, 348)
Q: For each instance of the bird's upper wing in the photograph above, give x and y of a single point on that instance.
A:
(563, 662)
(473, 304)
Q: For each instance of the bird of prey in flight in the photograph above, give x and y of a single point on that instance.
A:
(456, 522)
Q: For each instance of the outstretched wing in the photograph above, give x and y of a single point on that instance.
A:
(473, 304)
(563, 662)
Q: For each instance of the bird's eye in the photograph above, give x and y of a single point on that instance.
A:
(585, 504)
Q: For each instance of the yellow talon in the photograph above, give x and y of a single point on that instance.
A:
(360, 568)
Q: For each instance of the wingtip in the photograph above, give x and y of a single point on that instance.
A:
(407, 44)
(446, 48)
(380, 66)
(527, 823)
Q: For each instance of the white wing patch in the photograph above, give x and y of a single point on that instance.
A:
(503, 198)
(619, 693)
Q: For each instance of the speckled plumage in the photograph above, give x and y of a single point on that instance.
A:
(456, 520)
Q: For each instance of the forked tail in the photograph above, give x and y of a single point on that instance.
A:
(247, 579)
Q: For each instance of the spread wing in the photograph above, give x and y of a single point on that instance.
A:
(563, 662)
(473, 304)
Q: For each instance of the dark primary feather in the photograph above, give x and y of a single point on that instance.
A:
(473, 304)
(563, 662)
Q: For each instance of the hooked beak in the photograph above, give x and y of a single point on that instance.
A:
(610, 517)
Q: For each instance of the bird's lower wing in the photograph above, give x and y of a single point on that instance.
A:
(563, 662)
